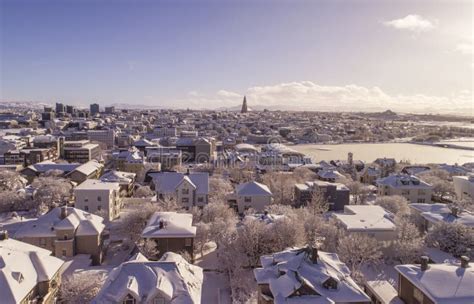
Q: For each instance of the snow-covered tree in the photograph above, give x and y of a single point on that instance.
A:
(219, 188)
(12, 201)
(457, 239)
(395, 204)
(143, 192)
(80, 288)
(358, 249)
(51, 192)
(358, 191)
(203, 233)
(168, 203)
(11, 180)
(408, 246)
(281, 184)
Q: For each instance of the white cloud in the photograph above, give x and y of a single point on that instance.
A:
(465, 48)
(414, 23)
(306, 95)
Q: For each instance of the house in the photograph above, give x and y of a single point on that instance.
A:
(415, 170)
(89, 170)
(251, 195)
(188, 189)
(306, 275)
(329, 175)
(369, 175)
(66, 231)
(199, 150)
(409, 186)
(464, 187)
(371, 220)
(437, 213)
(170, 280)
(166, 156)
(171, 231)
(126, 180)
(445, 283)
(387, 165)
(27, 273)
(337, 195)
(130, 161)
(98, 197)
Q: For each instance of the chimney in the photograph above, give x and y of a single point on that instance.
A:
(454, 211)
(63, 212)
(464, 261)
(187, 171)
(162, 224)
(314, 255)
(424, 262)
(3, 235)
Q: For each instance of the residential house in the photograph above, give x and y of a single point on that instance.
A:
(38, 169)
(464, 187)
(126, 180)
(98, 197)
(445, 283)
(250, 195)
(369, 175)
(171, 231)
(371, 220)
(90, 170)
(171, 280)
(28, 274)
(66, 231)
(387, 165)
(409, 186)
(190, 189)
(337, 195)
(306, 275)
(437, 213)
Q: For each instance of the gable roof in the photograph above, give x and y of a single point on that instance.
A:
(171, 277)
(174, 225)
(253, 188)
(167, 182)
(88, 168)
(82, 222)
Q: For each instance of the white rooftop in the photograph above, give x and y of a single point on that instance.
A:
(174, 225)
(438, 212)
(446, 283)
(95, 184)
(359, 218)
(253, 188)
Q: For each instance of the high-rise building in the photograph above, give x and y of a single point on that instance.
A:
(70, 110)
(60, 108)
(94, 109)
(110, 110)
(244, 106)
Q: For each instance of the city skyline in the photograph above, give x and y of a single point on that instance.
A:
(357, 55)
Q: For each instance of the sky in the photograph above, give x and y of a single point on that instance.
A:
(313, 55)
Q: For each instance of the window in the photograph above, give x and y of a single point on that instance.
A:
(64, 252)
(247, 199)
(99, 208)
(185, 200)
(129, 299)
(185, 191)
(159, 300)
(86, 200)
(417, 295)
(200, 199)
(86, 208)
(421, 200)
(65, 236)
(99, 198)
(187, 242)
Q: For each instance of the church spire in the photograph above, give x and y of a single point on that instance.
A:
(244, 105)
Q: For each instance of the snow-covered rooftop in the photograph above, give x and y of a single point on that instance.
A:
(118, 177)
(365, 218)
(252, 188)
(22, 267)
(326, 281)
(170, 225)
(167, 182)
(439, 212)
(446, 283)
(82, 222)
(95, 184)
(403, 181)
(171, 278)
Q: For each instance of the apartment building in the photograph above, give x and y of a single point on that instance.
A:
(409, 186)
(98, 197)
(464, 187)
(250, 195)
(66, 231)
(106, 137)
(337, 195)
(80, 151)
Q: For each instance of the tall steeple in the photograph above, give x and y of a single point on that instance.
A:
(244, 106)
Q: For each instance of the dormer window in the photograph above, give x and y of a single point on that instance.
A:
(129, 299)
(330, 283)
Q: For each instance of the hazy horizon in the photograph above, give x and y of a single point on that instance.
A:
(304, 55)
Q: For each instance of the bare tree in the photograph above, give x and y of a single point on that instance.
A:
(281, 184)
(408, 246)
(358, 191)
(318, 204)
(203, 233)
(144, 192)
(80, 288)
(219, 188)
(11, 180)
(168, 203)
(12, 201)
(457, 239)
